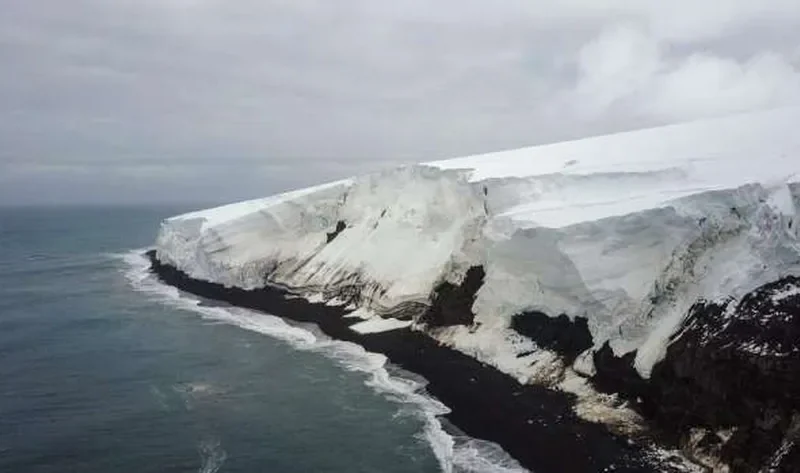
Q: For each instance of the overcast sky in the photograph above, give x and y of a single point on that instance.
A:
(218, 100)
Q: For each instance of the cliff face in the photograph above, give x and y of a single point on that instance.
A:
(728, 388)
(658, 265)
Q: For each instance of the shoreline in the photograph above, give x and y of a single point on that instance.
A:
(533, 424)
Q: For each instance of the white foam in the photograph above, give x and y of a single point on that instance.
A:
(160, 398)
(212, 456)
(479, 456)
(455, 455)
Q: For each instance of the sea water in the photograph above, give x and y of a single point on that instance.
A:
(105, 369)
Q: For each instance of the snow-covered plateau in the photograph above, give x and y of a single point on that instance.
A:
(653, 274)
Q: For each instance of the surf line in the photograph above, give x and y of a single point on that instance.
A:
(535, 425)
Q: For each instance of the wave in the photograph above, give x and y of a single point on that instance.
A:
(212, 455)
(456, 453)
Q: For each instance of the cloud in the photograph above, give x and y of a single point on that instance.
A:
(626, 70)
(704, 85)
(617, 65)
(302, 91)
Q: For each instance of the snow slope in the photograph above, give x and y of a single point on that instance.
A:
(627, 230)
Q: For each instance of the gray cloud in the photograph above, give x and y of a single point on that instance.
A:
(209, 100)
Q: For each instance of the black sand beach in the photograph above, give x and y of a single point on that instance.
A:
(535, 425)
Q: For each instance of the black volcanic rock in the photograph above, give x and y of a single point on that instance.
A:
(737, 366)
(568, 338)
(732, 369)
(452, 305)
(617, 375)
(340, 226)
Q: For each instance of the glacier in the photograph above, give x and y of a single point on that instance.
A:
(647, 241)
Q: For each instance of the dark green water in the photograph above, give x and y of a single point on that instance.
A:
(104, 370)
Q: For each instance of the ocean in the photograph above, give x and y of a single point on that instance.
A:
(105, 369)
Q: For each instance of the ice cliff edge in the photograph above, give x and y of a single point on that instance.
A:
(661, 265)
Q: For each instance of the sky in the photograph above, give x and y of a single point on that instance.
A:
(143, 101)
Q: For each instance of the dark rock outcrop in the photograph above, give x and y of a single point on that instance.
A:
(451, 304)
(732, 373)
(568, 338)
(617, 375)
(340, 227)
